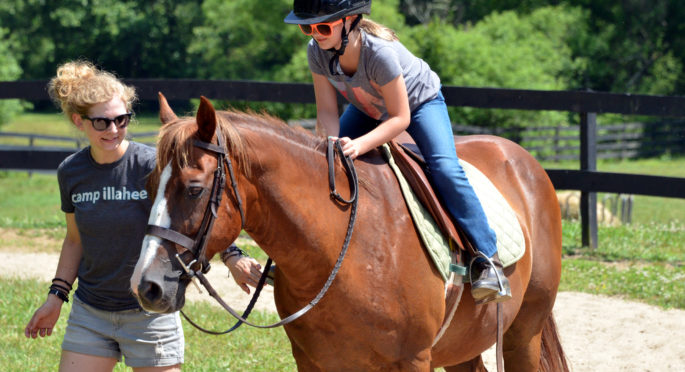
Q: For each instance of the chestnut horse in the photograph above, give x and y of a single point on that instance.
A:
(386, 305)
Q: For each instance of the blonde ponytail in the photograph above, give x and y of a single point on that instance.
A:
(377, 30)
(79, 85)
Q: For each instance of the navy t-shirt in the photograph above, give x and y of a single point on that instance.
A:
(111, 208)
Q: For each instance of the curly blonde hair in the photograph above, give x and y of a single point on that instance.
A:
(79, 85)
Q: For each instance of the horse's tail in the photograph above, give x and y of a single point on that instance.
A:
(552, 356)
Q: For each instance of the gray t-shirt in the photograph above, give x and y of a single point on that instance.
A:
(380, 61)
(111, 207)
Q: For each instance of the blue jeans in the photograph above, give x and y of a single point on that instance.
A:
(431, 129)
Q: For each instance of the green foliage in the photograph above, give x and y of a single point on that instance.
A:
(241, 40)
(504, 50)
(132, 38)
(631, 46)
(9, 70)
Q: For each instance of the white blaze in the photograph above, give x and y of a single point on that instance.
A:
(159, 215)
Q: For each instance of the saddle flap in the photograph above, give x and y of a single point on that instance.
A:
(410, 164)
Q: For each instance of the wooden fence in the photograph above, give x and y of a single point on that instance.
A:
(586, 104)
(615, 141)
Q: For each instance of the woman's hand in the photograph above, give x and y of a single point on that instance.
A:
(44, 319)
(245, 271)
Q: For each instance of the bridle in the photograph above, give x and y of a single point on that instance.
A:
(193, 260)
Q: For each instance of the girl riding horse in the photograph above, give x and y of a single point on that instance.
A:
(390, 91)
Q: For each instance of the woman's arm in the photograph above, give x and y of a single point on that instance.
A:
(397, 103)
(70, 257)
(44, 319)
(327, 118)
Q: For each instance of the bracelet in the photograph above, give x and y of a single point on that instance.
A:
(59, 294)
(57, 286)
(63, 281)
(231, 251)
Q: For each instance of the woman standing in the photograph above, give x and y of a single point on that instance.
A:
(390, 91)
(103, 196)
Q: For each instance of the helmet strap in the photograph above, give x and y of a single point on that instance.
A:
(334, 63)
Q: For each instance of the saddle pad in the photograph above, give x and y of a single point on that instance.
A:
(436, 244)
(511, 244)
(500, 215)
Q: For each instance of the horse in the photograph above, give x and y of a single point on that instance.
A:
(387, 303)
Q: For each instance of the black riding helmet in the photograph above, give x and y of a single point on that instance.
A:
(307, 12)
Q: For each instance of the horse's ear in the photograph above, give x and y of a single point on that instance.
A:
(166, 114)
(206, 120)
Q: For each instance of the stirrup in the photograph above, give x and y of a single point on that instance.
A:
(503, 294)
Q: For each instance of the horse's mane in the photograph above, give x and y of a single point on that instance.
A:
(175, 139)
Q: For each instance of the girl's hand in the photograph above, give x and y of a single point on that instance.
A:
(245, 271)
(351, 148)
(44, 319)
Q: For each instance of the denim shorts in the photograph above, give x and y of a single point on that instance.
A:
(143, 339)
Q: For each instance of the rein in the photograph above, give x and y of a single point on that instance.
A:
(196, 248)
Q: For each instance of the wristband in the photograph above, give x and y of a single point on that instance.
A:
(63, 281)
(57, 286)
(59, 294)
(231, 251)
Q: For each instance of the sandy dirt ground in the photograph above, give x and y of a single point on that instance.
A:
(599, 334)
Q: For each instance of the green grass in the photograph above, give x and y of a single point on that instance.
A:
(638, 262)
(656, 284)
(29, 201)
(246, 349)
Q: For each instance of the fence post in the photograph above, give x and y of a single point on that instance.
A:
(588, 162)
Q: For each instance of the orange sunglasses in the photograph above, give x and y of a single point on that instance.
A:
(324, 28)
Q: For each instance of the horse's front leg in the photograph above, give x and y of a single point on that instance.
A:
(304, 364)
(473, 365)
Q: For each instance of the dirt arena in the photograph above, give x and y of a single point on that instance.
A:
(599, 334)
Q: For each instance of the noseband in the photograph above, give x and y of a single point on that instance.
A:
(193, 258)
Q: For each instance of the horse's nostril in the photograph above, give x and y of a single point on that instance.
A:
(150, 291)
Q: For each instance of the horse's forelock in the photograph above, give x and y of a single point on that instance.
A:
(175, 144)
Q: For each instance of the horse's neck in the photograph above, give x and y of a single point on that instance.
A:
(291, 215)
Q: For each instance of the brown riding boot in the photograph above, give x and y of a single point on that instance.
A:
(490, 285)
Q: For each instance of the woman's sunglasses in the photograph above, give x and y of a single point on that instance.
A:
(324, 29)
(120, 121)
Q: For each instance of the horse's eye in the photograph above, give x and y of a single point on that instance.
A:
(195, 192)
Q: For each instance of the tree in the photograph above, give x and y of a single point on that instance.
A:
(131, 38)
(504, 50)
(9, 70)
